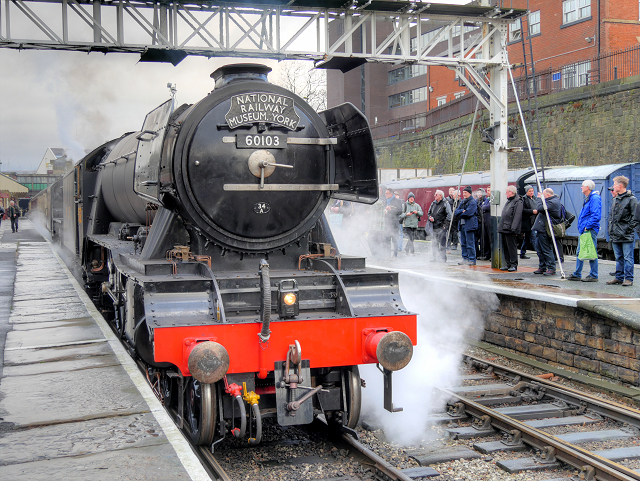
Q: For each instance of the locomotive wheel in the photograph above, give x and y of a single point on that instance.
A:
(200, 411)
(353, 394)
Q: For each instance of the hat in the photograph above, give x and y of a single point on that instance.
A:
(482, 190)
(611, 188)
(527, 187)
(468, 189)
(411, 195)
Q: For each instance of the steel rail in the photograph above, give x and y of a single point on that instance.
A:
(205, 454)
(603, 469)
(610, 409)
(380, 464)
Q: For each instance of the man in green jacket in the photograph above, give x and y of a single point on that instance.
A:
(411, 213)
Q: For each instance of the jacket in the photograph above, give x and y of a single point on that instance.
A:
(441, 213)
(14, 212)
(622, 221)
(411, 220)
(453, 203)
(528, 217)
(511, 220)
(553, 204)
(467, 212)
(591, 213)
(392, 216)
(484, 212)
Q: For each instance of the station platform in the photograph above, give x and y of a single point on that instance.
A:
(620, 304)
(73, 404)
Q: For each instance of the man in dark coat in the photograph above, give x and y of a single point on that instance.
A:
(453, 200)
(622, 224)
(509, 228)
(484, 226)
(528, 217)
(440, 216)
(546, 259)
(392, 212)
(14, 214)
(467, 211)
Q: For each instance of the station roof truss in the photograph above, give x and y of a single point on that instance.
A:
(168, 31)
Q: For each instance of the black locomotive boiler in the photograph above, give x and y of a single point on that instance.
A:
(202, 238)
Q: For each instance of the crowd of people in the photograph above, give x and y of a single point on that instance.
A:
(523, 226)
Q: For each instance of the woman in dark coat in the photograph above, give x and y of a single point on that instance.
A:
(509, 227)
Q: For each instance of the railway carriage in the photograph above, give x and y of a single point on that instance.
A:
(203, 240)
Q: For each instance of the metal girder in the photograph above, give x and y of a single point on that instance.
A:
(295, 29)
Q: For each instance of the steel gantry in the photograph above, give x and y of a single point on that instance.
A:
(470, 39)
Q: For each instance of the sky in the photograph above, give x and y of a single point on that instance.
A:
(77, 101)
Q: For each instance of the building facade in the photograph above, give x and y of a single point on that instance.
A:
(566, 38)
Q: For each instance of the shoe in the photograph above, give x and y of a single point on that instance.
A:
(627, 283)
(539, 271)
(574, 278)
(525, 257)
(471, 263)
(504, 268)
(512, 269)
(454, 248)
(590, 279)
(550, 273)
(613, 282)
(612, 273)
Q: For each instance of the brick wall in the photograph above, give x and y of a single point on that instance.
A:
(592, 125)
(562, 336)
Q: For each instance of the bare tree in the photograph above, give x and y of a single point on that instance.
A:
(302, 79)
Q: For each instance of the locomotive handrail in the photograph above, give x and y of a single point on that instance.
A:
(342, 286)
(223, 317)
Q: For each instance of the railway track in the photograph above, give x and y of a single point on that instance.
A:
(529, 413)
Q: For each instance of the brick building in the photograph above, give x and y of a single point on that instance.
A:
(566, 36)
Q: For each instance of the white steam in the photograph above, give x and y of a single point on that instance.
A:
(446, 316)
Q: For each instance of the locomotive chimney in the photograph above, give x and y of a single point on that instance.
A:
(239, 72)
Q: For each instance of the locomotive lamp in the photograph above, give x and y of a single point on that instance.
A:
(288, 305)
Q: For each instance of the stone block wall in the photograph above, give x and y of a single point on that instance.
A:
(592, 125)
(567, 337)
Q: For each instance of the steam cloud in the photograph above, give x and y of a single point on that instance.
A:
(446, 315)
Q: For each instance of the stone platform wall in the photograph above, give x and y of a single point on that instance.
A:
(567, 337)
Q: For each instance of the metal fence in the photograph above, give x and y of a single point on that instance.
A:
(603, 68)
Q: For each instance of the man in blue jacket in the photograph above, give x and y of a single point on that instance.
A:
(588, 221)
(467, 212)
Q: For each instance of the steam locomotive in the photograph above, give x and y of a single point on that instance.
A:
(203, 240)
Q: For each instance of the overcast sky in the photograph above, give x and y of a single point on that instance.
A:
(78, 101)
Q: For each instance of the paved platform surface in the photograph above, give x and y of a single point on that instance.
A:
(618, 303)
(73, 404)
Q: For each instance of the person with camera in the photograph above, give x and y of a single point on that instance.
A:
(440, 218)
(14, 214)
(411, 213)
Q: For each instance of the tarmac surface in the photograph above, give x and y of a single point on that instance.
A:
(73, 404)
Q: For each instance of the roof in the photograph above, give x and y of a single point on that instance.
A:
(593, 172)
(471, 178)
(58, 152)
(12, 186)
(390, 6)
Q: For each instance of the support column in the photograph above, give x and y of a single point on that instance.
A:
(499, 76)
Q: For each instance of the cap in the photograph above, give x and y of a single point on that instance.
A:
(527, 187)
(411, 195)
(468, 189)
(482, 190)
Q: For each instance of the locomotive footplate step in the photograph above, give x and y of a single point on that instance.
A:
(526, 464)
(74, 405)
(441, 454)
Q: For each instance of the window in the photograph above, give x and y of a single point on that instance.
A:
(442, 100)
(405, 73)
(515, 31)
(409, 97)
(576, 75)
(574, 10)
(534, 23)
